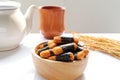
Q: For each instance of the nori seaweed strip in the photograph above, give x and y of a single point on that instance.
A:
(51, 53)
(78, 49)
(68, 48)
(67, 39)
(64, 57)
(45, 44)
(44, 48)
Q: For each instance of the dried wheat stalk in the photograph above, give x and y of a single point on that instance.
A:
(106, 45)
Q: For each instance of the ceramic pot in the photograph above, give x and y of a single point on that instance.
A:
(13, 24)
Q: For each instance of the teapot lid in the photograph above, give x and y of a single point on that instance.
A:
(9, 5)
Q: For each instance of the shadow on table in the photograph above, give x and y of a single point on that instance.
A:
(38, 77)
(17, 53)
(82, 77)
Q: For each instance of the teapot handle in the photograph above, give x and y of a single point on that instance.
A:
(29, 16)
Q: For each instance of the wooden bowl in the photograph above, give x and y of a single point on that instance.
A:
(56, 70)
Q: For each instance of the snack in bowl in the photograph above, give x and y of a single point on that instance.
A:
(66, 60)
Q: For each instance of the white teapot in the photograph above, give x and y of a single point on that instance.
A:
(13, 24)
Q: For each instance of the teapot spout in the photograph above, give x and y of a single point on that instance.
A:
(28, 16)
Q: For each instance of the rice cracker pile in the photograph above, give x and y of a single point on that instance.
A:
(106, 45)
(66, 49)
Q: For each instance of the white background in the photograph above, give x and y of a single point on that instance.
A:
(82, 15)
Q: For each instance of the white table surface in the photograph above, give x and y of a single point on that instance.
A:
(17, 64)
